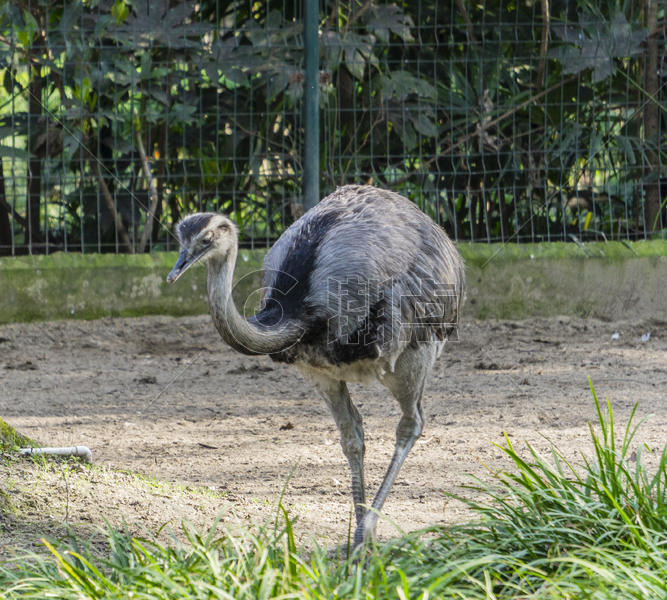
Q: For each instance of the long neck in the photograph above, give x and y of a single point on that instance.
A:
(246, 337)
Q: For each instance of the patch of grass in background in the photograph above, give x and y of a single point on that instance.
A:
(545, 529)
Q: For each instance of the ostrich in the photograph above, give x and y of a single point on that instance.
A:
(363, 286)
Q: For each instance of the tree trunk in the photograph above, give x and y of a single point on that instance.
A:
(161, 160)
(111, 206)
(5, 225)
(651, 120)
(34, 164)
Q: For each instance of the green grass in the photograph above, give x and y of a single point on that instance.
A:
(545, 528)
(10, 439)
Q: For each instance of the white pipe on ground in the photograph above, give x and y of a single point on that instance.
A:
(80, 451)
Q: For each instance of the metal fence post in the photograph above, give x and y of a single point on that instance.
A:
(311, 147)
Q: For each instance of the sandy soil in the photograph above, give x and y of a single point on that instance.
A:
(165, 398)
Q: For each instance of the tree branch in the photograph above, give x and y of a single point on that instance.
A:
(460, 4)
(122, 232)
(22, 221)
(155, 198)
(544, 46)
(511, 111)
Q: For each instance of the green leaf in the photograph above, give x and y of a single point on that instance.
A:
(12, 152)
(595, 43)
(120, 11)
(357, 50)
(385, 18)
(71, 14)
(355, 63)
(424, 122)
(276, 83)
(24, 38)
(332, 47)
(27, 34)
(401, 84)
(8, 80)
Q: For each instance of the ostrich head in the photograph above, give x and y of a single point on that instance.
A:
(203, 236)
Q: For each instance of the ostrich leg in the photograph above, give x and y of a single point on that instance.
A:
(406, 383)
(348, 420)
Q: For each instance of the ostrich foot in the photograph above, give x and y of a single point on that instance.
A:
(365, 531)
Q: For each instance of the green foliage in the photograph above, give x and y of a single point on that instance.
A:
(597, 45)
(511, 146)
(182, 71)
(499, 122)
(547, 530)
(10, 439)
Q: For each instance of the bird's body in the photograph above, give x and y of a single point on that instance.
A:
(363, 286)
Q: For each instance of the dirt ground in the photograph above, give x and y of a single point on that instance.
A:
(182, 427)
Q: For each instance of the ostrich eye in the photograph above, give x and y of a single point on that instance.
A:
(207, 239)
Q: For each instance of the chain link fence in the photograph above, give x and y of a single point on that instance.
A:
(503, 121)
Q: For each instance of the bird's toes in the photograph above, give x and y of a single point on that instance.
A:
(365, 531)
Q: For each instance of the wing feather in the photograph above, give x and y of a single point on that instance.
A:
(372, 265)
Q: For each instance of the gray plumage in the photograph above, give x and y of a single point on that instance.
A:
(363, 286)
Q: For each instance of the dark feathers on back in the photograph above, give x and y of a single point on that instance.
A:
(363, 272)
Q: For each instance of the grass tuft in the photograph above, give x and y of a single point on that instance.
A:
(10, 439)
(544, 529)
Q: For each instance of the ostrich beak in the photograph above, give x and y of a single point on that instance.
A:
(183, 263)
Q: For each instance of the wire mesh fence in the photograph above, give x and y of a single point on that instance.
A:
(504, 121)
